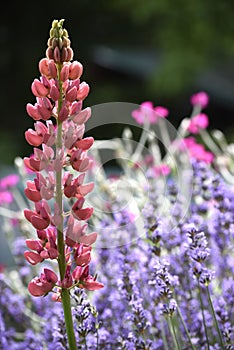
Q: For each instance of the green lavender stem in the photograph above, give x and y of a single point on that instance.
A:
(215, 318)
(173, 333)
(164, 335)
(203, 315)
(185, 328)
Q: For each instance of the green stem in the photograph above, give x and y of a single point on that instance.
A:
(215, 318)
(203, 315)
(164, 335)
(173, 333)
(185, 328)
(65, 295)
(68, 319)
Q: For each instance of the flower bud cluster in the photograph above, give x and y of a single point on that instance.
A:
(59, 147)
(198, 253)
(59, 44)
(165, 284)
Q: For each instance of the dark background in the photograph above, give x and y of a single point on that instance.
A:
(132, 51)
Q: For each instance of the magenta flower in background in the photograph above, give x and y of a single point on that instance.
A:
(198, 122)
(147, 112)
(200, 98)
(160, 170)
(196, 150)
(6, 197)
(9, 181)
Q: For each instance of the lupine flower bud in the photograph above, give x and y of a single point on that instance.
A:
(75, 70)
(59, 44)
(64, 74)
(83, 91)
(33, 111)
(54, 93)
(33, 138)
(48, 68)
(85, 143)
(39, 89)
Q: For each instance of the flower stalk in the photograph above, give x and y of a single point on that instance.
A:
(203, 316)
(61, 237)
(173, 333)
(215, 318)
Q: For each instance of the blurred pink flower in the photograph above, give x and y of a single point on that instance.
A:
(199, 121)
(161, 169)
(200, 98)
(197, 150)
(9, 181)
(146, 111)
(6, 197)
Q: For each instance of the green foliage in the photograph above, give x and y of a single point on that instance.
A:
(190, 35)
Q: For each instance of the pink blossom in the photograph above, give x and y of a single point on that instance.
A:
(54, 92)
(200, 98)
(41, 134)
(80, 117)
(198, 122)
(48, 68)
(64, 112)
(161, 170)
(42, 285)
(82, 214)
(76, 233)
(82, 254)
(75, 70)
(197, 150)
(162, 112)
(67, 281)
(146, 111)
(44, 249)
(41, 88)
(64, 74)
(9, 181)
(88, 282)
(32, 192)
(42, 159)
(83, 91)
(40, 218)
(6, 197)
(33, 257)
(79, 161)
(33, 138)
(85, 143)
(77, 272)
(72, 90)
